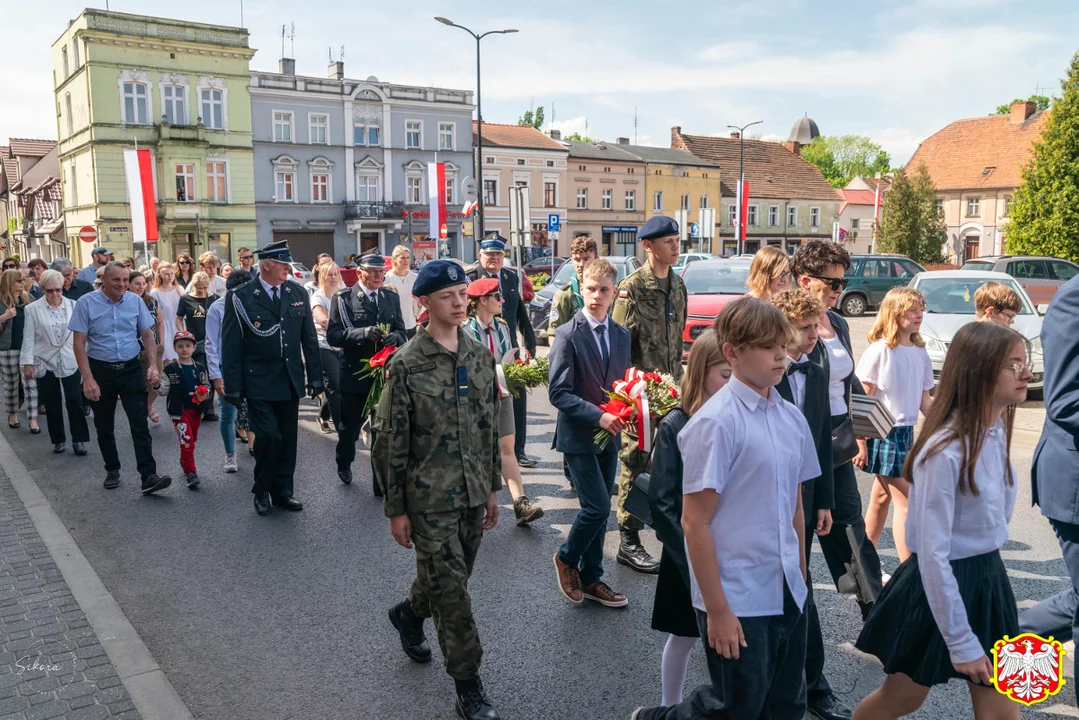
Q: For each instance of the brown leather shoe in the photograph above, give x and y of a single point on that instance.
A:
(569, 581)
(601, 592)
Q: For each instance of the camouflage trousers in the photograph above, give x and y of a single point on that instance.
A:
(634, 462)
(446, 545)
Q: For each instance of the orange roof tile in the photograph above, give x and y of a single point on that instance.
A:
(31, 148)
(859, 197)
(983, 152)
(516, 136)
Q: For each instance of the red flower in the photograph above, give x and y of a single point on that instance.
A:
(519, 361)
(674, 392)
(653, 377)
(379, 359)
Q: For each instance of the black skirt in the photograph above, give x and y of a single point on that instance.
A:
(673, 610)
(901, 630)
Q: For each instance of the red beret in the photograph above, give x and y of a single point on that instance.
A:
(486, 286)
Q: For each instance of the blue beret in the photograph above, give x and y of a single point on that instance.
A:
(275, 251)
(493, 243)
(373, 262)
(658, 226)
(437, 275)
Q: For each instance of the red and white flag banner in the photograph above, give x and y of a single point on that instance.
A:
(743, 210)
(139, 177)
(436, 192)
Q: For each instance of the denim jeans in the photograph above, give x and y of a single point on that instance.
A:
(593, 476)
(227, 427)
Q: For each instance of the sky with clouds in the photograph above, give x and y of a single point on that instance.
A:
(895, 72)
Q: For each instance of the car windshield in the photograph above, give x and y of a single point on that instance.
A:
(566, 272)
(955, 296)
(977, 265)
(716, 278)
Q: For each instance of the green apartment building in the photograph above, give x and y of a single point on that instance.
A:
(178, 88)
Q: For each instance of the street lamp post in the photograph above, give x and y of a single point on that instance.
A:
(478, 160)
(740, 237)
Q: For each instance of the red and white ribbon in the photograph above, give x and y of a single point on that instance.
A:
(644, 424)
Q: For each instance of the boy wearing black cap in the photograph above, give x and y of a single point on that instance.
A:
(186, 384)
(437, 457)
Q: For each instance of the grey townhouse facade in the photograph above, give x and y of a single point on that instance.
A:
(341, 166)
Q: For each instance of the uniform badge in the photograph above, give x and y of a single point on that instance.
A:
(257, 324)
(1028, 668)
(554, 314)
(298, 304)
(452, 273)
(623, 293)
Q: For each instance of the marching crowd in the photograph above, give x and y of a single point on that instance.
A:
(756, 460)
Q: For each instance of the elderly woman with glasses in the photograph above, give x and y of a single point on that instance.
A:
(47, 344)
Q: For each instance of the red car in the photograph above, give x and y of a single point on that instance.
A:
(711, 285)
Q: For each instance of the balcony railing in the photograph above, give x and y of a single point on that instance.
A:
(373, 210)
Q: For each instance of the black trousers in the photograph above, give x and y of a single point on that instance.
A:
(349, 425)
(49, 393)
(817, 687)
(125, 382)
(274, 423)
(206, 406)
(520, 425)
(331, 371)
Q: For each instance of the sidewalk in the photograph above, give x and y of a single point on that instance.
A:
(52, 664)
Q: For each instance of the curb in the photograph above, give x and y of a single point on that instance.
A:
(145, 681)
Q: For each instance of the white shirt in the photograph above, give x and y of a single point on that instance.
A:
(319, 299)
(606, 337)
(372, 295)
(269, 288)
(840, 366)
(753, 452)
(901, 374)
(218, 286)
(214, 316)
(944, 525)
(403, 285)
(797, 382)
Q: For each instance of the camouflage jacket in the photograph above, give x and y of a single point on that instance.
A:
(564, 305)
(436, 448)
(654, 320)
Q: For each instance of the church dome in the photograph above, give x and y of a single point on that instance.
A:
(804, 131)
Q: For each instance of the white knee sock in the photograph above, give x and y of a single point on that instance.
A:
(673, 670)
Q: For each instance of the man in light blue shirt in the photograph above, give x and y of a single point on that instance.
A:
(99, 257)
(107, 325)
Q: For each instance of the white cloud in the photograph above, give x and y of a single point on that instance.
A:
(899, 143)
(573, 125)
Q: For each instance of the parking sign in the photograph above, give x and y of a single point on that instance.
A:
(554, 222)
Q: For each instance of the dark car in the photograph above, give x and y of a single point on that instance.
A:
(1040, 276)
(539, 310)
(549, 265)
(870, 277)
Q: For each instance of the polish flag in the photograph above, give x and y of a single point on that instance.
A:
(436, 191)
(743, 209)
(139, 175)
(470, 207)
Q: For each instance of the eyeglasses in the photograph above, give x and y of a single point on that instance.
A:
(836, 284)
(53, 291)
(246, 257)
(1010, 317)
(497, 295)
(1021, 369)
(184, 262)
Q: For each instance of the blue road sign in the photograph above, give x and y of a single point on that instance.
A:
(694, 230)
(554, 223)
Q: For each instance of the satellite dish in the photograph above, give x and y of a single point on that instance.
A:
(372, 78)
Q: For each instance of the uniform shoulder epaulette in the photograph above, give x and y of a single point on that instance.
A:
(502, 320)
(391, 288)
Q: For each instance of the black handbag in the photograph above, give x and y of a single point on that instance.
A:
(639, 501)
(844, 444)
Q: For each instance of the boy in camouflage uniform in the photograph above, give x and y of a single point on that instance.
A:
(437, 457)
(651, 304)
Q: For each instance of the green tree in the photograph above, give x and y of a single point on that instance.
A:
(578, 137)
(840, 158)
(1045, 208)
(1042, 101)
(532, 119)
(910, 224)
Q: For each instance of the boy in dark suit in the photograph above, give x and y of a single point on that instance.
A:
(805, 384)
(589, 353)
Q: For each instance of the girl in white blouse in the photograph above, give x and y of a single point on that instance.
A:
(951, 600)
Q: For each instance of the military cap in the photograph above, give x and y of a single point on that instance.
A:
(437, 275)
(373, 262)
(493, 243)
(486, 286)
(658, 226)
(183, 335)
(275, 251)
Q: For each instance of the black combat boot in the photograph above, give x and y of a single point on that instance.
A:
(472, 702)
(410, 628)
(632, 554)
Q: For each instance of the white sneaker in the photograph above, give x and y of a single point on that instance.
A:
(230, 463)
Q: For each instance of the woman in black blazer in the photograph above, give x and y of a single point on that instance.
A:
(706, 372)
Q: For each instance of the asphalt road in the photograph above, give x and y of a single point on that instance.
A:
(285, 616)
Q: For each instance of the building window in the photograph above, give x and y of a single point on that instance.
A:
(792, 216)
(1007, 204)
(367, 188)
(630, 171)
(631, 200)
(282, 127)
(449, 190)
(855, 223)
(520, 161)
(550, 163)
(606, 199)
(320, 127)
(320, 187)
(366, 132)
(814, 217)
(414, 134)
(136, 110)
(285, 185)
(67, 115)
(940, 208)
(657, 201)
(685, 201)
(63, 60)
(75, 53)
(732, 215)
(213, 110)
(550, 195)
(216, 181)
(185, 182)
(490, 193)
(606, 169)
(490, 160)
(445, 136)
(581, 168)
(582, 198)
(973, 207)
(175, 105)
(73, 185)
(773, 216)
(751, 216)
(414, 189)
(704, 201)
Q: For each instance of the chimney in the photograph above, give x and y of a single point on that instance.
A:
(286, 66)
(794, 147)
(1021, 110)
(735, 135)
(555, 134)
(336, 71)
(621, 141)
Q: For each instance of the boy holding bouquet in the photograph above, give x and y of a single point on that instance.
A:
(589, 353)
(186, 384)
